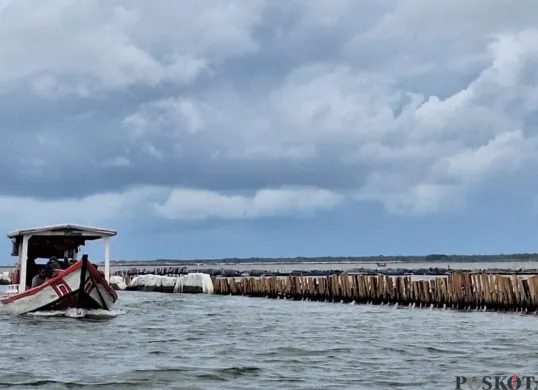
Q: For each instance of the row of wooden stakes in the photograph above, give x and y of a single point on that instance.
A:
(457, 290)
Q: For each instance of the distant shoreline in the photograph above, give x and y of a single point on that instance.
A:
(435, 259)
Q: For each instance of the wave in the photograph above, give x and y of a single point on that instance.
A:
(78, 313)
(36, 383)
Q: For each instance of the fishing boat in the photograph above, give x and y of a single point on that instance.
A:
(59, 284)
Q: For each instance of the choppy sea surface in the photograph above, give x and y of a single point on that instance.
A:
(181, 341)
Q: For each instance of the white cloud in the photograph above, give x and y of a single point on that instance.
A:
(161, 201)
(97, 209)
(505, 153)
(416, 200)
(81, 47)
(187, 204)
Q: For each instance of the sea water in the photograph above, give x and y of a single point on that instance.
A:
(208, 341)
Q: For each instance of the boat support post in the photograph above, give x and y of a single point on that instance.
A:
(107, 258)
(23, 262)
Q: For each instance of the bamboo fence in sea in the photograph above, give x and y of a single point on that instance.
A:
(457, 290)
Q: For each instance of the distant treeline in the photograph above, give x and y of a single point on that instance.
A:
(518, 257)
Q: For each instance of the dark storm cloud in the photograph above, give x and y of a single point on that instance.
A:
(398, 102)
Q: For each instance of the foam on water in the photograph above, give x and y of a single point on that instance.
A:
(78, 313)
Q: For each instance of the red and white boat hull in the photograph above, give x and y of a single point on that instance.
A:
(66, 290)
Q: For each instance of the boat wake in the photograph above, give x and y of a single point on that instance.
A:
(78, 313)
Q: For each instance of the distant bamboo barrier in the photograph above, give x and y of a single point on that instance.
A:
(458, 290)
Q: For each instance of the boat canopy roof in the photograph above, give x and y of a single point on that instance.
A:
(88, 232)
(54, 240)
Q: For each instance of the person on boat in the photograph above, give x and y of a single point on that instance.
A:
(59, 264)
(65, 263)
(53, 267)
(40, 278)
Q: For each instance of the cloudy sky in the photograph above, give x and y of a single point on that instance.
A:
(213, 128)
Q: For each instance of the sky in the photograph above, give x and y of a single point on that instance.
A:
(272, 128)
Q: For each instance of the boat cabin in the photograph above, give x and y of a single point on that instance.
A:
(61, 241)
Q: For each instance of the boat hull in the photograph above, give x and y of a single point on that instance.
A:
(79, 286)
